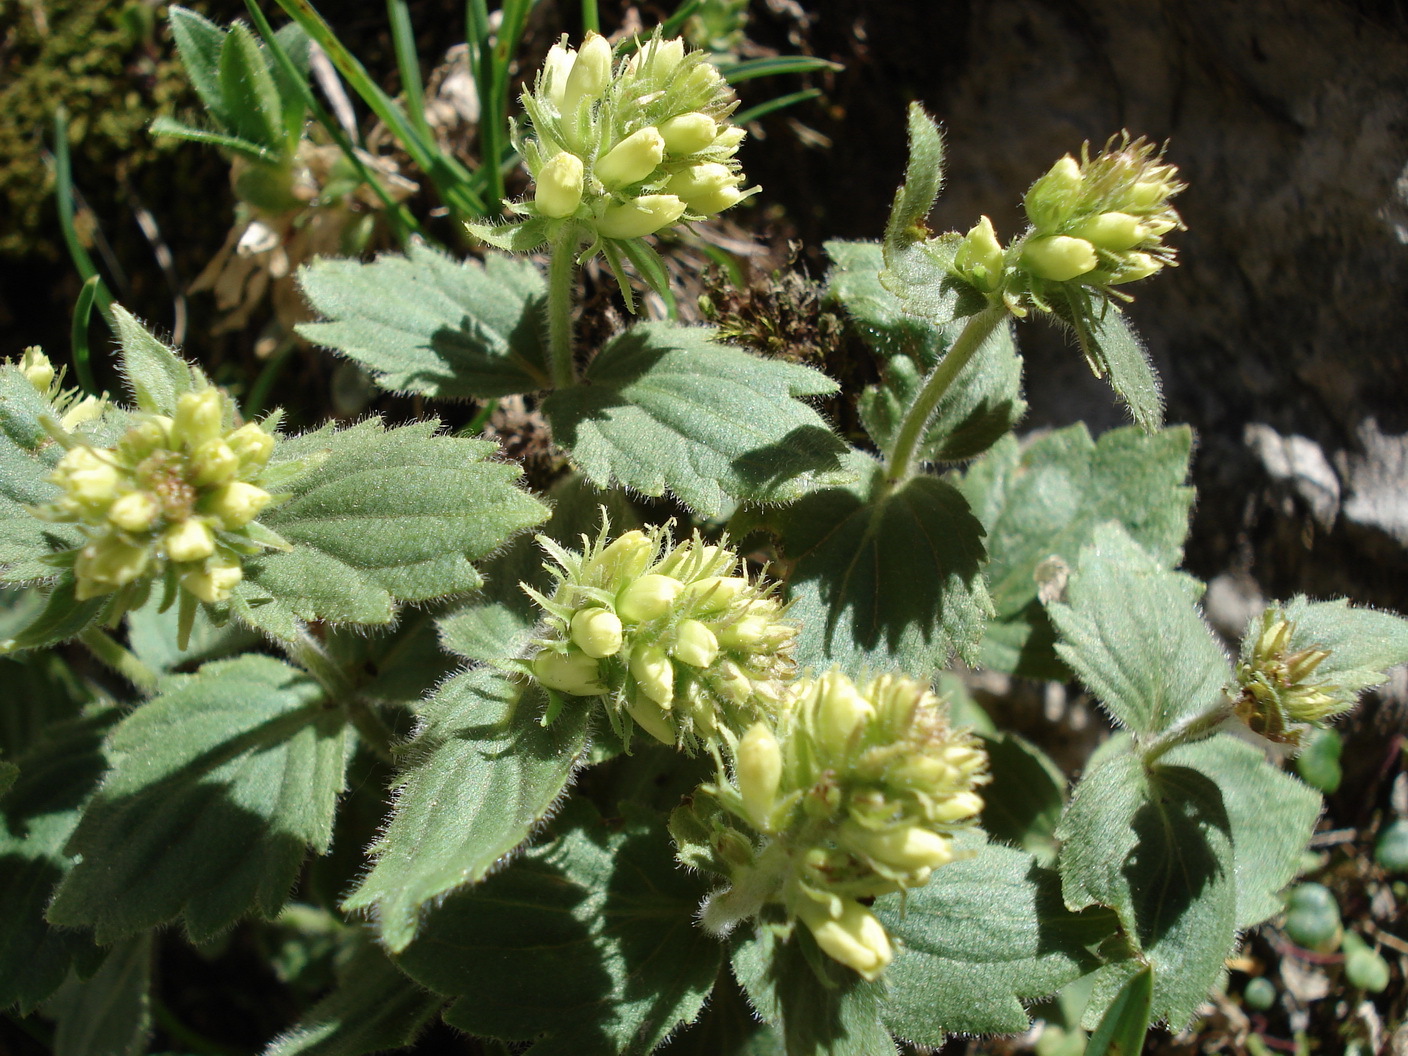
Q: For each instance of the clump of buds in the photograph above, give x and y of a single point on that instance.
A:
(71, 406)
(856, 792)
(676, 636)
(633, 146)
(179, 493)
(1277, 694)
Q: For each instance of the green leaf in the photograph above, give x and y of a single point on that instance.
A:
(152, 635)
(198, 42)
(62, 617)
(890, 585)
(374, 1008)
(839, 1016)
(169, 126)
(110, 1013)
(1155, 845)
(667, 407)
(218, 788)
(1132, 632)
(247, 87)
(616, 960)
(519, 236)
(987, 933)
(1111, 344)
(923, 179)
(1022, 806)
(429, 324)
(1043, 500)
(480, 776)
(1363, 644)
(389, 516)
(1272, 816)
(156, 375)
(983, 404)
(1121, 1032)
(27, 457)
(727, 1027)
(57, 774)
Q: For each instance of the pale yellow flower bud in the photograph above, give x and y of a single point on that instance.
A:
(1059, 257)
(980, 255)
(591, 72)
(648, 598)
(215, 582)
(907, 847)
(88, 478)
(956, 807)
(1137, 266)
(654, 673)
(625, 557)
(557, 67)
(198, 418)
(713, 593)
(136, 511)
(237, 503)
(854, 936)
(729, 138)
(840, 711)
(569, 673)
(747, 633)
(88, 409)
(37, 369)
(1113, 231)
(191, 540)
(704, 76)
(695, 644)
(146, 436)
(106, 565)
(559, 186)
(758, 770)
(640, 216)
(689, 133)
(251, 445)
(653, 719)
(706, 188)
(631, 160)
(214, 463)
(597, 632)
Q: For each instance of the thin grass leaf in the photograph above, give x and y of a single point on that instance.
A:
(64, 195)
(750, 69)
(408, 65)
(774, 105)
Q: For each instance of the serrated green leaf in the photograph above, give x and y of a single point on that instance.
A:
(426, 323)
(838, 1017)
(27, 457)
(518, 236)
(397, 667)
(1131, 631)
(62, 617)
(374, 1008)
(890, 585)
(1155, 845)
(154, 373)
(1043, 500)
(984, 402)
(1125, 1023)
(58, 773)
(923, 179)
(218, 789)
(389, 516)
(41, 691)
(1363, 643)
(1111, 343)
(198, 42)
(152, 636)
(1271, 813)
(668, 408)
(248, 90)
(987, 933)
(616, 961)
(110, 1013)
(727, 1027)
(480, 776)
(1022, 806)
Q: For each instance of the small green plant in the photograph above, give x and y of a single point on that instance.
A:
(683, 762)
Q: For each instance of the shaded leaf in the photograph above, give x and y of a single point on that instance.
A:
(668, 408)
(1042, 500)
(894, 584)
(1022, 806)
(426, 323)
(248, 90)
(479, 777)
(727, 1027)
(1132, 633)
(108, 1014)
(987, 933)
(1111, 344)
(616, 961)
(218, 788)
(390, 516)
(1125, 1023)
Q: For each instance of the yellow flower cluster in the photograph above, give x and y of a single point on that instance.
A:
(1278, 696)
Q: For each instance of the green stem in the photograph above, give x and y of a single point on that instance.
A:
(309, 654)
(562, 275)
(120, 659)
(1195, 728)
(899, 467)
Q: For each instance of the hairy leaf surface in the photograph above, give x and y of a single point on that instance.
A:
(218, 789)
(1363, 644)
(109, 1013)
(668, 408)
(1043, 500)
(482, 773)
(27, 457)
(427, 323)
(156, 375)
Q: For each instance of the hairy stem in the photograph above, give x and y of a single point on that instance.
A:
(899, 466)
(123, 661)
(562, 285)
(1194, 728)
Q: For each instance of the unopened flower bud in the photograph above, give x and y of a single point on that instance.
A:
(704, 77)
(251, 445)
(37, 369)
(758, 770)
(1055, 194)
(840, 711)
(1059, 258)
(653, 719)
(198, 418)
(729, 138)
(979, 258)
(557, 67)
(706, 188)
(136, 511)
(569, 673)
(597, 632)
(191, 540)
(906, 848)
(214, 463)
(689, 133)
(88, 409)
(648, 598)
(625, 557)
(1113, 231)
(237, 503)
(591, 72)
(145, 437)
(1148, 194)
(88, 478)
(215, 582)
(1136, 266)
(695, 644)
(559, 186)
(640, 216)
(747, 633)
(713, 593)
(956, 807)
(854, 936)
(107, 564)
(631, 160)
(654, 673)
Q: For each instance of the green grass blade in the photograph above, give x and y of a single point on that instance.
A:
(773, 105)
(672, 25)
(408, 63)
(82, 313)
(738, 72)
(63, 191)
(591, 19)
